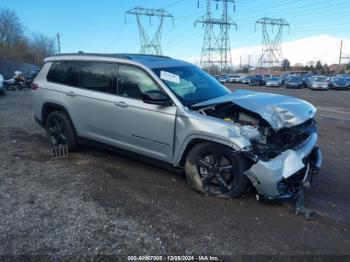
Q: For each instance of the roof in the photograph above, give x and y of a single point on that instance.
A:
(151, 61)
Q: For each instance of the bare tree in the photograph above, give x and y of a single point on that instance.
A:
(15, 46)
(41, 46)
(11, 29)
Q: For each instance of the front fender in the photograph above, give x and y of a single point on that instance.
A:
(201, 137)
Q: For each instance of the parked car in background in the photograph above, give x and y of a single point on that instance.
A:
(172, 111)
(246, 80)
(257, 80)
(29, 77)
(305, 79)
(224, 79)
(275, 81)
(317, 83)
(266, 77)
(293, 82)
(339, 83)
(2, 85)
(235, 78)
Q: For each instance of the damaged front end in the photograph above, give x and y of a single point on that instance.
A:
(283, 139)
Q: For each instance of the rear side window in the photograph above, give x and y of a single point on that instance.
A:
(98, 76)
(64, 72)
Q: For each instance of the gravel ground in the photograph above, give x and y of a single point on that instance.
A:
(100, 203)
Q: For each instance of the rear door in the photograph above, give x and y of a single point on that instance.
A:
(92, 103)
(143, 128)
(88, 89)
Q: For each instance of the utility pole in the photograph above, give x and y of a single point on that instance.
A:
(342, 55)
(58, 43)
(216, 50)
(149, 45)
(271, 53)
(249, 60)
(240, 62)
(341, 51)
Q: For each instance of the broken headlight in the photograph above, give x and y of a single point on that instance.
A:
(250, 132)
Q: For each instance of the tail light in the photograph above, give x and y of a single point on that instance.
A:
(34, 86)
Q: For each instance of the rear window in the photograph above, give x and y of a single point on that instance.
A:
(96, 76)
(64, 72)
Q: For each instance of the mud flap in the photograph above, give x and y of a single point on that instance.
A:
(60, 151)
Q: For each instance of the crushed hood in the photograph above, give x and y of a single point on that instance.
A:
(278, 110)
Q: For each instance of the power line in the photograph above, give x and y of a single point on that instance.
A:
(117, 35)
(173, 4)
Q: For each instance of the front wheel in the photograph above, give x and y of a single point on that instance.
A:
(217, 170)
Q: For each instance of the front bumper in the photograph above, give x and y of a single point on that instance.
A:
(272, 85)
(340, 87)
(266, 176)
(316, 87)
(293, 86)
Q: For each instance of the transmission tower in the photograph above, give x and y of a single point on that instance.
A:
(149, 45)
(271, 53)
(216, 51)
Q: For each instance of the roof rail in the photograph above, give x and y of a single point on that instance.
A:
(116, 55)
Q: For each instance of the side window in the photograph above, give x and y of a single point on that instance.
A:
(64, 72)
(99, 76)
(132, 82)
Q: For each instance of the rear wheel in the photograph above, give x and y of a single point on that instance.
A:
(216, 170)
(60, 130)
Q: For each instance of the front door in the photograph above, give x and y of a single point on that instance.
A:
(143, 128)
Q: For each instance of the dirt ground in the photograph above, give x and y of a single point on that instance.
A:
(100, 203)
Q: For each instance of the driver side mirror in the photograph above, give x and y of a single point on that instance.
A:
(156, 97)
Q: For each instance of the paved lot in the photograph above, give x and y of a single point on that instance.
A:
(96, 202)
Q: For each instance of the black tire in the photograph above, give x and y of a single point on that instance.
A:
(209, 180)
(60, 130)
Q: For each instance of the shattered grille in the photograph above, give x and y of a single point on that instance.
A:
(284, 139)
(291, 138)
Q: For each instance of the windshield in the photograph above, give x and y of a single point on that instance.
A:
(293, 79)
(275, 79)
(319, 78)
(190, 84)
(340, 79)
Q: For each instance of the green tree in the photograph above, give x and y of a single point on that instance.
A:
(285, 64)
(318, 65)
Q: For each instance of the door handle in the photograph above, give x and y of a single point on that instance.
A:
(71, 93)
(121, 104)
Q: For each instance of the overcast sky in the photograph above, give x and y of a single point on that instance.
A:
(99, 26)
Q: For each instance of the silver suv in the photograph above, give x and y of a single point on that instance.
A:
(172, 111)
